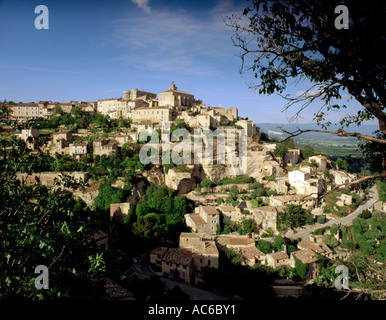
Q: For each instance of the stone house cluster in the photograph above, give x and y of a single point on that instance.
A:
(64, 142)
(30, 136)
(45, 109)
(187, 262)
(206, 219)
(242, 245)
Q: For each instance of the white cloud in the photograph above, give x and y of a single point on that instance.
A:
(175, 40)
(142, 4)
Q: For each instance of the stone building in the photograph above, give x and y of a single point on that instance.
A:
(250, 129)
(342, 177)
(305, 201)
(306, 256)
(205, 253)
(78, 150)
(229, 213)
(178, 263)
(25, 111)
(101, 240)
(121, 139)
(29, 136)
(268, 216)
(102, 146)
(152, 115)
(61, 140)
(135, 94)
(204, 220)
(225, 241)
(344, 200)
(230, 113)
(316, 244)
(194, 253)
(242, 245)
(277, 259)
(114, 108)
(321, 161)
(292, 157)
(119, 211)
(174, 98)
(304, 185)
(252, 255)
(48, 178)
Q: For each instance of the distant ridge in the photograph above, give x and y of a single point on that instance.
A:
(273, 130)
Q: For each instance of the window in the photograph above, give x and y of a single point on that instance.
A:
(208, 262)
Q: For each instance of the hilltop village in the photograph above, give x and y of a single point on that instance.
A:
(272, 216)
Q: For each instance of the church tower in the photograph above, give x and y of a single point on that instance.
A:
(173, 87)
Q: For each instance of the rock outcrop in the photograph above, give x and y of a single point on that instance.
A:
(155, 175)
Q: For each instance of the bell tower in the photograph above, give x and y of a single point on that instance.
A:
(173, 87)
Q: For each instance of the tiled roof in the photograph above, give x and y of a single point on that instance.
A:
(205, 247)
(159, 250)
(234, 241)
(178, 256)
(240, 241)
(210, 210)
(305, 255)
(197, 219)
(190, 235)
(150, 108)
(319, 247)
(251, 252)
(278, 255)
(319, 157)
(176, 91)
(227, 208)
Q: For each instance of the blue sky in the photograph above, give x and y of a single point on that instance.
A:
(95, 49)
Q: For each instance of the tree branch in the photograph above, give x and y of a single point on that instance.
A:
(339, 133)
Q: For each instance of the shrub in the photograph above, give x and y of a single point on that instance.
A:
(366, 214)
(330, 241)
(321, 219)
(264, 246)
(301, 268)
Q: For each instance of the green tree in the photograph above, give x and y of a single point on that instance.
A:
(294, 216)
(207, 184)
(233, 192)
(41, 226)
(282, 41)
(301, 268)
(330, 240)
(264, 246)
(108, 195)
(279, 243)
(290, 143)
(341, 164)
(307, 152)
(280, 151)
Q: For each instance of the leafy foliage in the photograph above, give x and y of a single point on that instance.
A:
(43, 227)
(370, 235)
